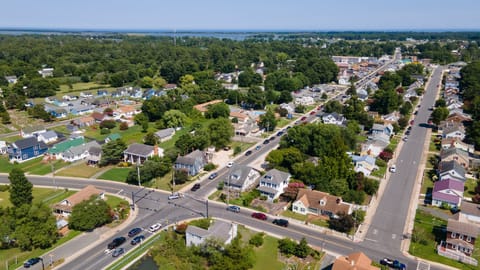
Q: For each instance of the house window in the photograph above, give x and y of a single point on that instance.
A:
(295, 208)
(469, 239)
(454, 235)
(302, 210)
(25, 156)
(461, 237)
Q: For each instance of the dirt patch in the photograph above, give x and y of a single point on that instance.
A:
(270, 207)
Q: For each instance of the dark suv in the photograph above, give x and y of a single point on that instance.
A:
(281, 222)
(116, 242)
(134, 232)
(195, 187)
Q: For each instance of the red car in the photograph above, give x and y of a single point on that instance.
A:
(303, 118)
(312, 112)
(261, 216)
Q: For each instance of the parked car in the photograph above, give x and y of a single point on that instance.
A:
(280, 133)
(116, 242)
(261, 216)
(266, 141)
(155, 227)
(258, 147)
(393, 168)
(31, 262)
(134, 232)
(137, 239)
(117, 252)
(392, 263)
(248, 153)
(312, 112)
(280, 222)
(195, 187)
(174, 196)
(229, 164)
(303, 118)
(233, 208)
(213, 175)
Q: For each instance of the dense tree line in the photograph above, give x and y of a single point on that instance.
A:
(470, 89)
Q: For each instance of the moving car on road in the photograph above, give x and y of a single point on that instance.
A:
(174, 196)
(195, 187)
(229, 164)
(233, 208)
(137, 239)
(117, 252)
(261, 216)
(248, 153)
(116, 242)
(280, 222)
(134, 232)
(213, 175)
(393, 168)
(392, 263)
(31, 262)
(155, 227)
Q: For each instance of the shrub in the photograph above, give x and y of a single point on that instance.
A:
(4, 188)
(181, 228)
(220, 185)
(380, 163)
(386, 156)
(257, 240)
(203, 223)
(209, 167)
(108, 124)
(104, 131)
(123, 126)
(237, 150)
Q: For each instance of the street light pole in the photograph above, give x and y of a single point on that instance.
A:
(52, 166)
(138, 172)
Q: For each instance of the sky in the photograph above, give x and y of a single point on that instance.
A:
(312, 15)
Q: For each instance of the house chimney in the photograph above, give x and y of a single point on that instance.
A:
(339, 200)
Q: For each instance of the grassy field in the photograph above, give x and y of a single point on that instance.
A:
(81, 170)
(116, 174)
(470, 186)
(64, 88)
(431, 231)
(380, 172)
(293, 215)
(46, 195)
(6, 166)
(267, 255)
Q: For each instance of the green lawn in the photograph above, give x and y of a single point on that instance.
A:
(47, 195)
(6, 166)
(267, 255)
(243, 145)
(282, 122)
(64, 88)
(380, 172)
(290, 214)
(116, 174)
(12, 138)
(81, 170)
(171, 143)
(470, 186)
(430, 230)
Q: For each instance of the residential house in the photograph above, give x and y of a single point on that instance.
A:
(273, 183)
(220, 230)
(139, 153)
(451, 170)
(364, 164)
(165, 134)
(11, 79)
(86, 95)
(319, 203)
(374, 146)
(455, 154)
(304, 100)
(85, 121)
(354, 261)
(79, 152)
(287, 107)
(390, 118)
(204, 106)
(454, 131)
(470, 212)
(461, 237)
(458, 117)
(448, 192)
(48, 137)
(32, 131)
(3, 147)
(65, 207)
(56, 112)
(102, 92)
(25, 149)
(46, 72)
(230, 86)
(94, 155)
(125, 111)
(81, 109)
(193, 162)
(241, 178)
(362, 94)
(457, 143)
(98, 116)
(102, 102)
(382, 129)
(136, 93)
(57, 150)
(334, 118)
(170, 86)
(112, 137)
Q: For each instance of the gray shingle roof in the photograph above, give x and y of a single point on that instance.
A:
(219, 230)
(238, 175)
(446, 166)
(164, 133)
(463, 228)
(139, 149)
(32, 129)
(49, 134)
(275, 176)
(29, 142)
(190, 158)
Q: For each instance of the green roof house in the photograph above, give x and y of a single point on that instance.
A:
(61, 147)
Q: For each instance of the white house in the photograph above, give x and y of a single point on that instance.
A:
(364, 164)
(3, 147)
(334, 118)
(32, 131)
(319, 203)
(305, 101)
(48, 137)
(220, 230)
(454, 131)
(79, 152)
(241, 178)
(139, 153)
(65, 207)
(470, 212)
(273, 183)
(46, 72)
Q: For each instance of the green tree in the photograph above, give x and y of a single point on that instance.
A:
(218, 110)
(221, 131)
(302, 250)
(20, 188)
(333, 106)
(174, 118)
(90, 214)
(268, 120)
(112, 152)
(439, 115)
(343, 223)
(150, 139)
(35, 227)
(151, 169)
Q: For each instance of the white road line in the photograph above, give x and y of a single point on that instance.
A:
(375, 231)
(394, 236)
(368, 239)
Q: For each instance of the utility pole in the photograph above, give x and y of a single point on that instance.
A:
(133, 201)
(173, 179)
(53, 173)
(138, 172)
(206, 204)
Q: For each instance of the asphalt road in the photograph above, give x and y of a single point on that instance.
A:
(387, 227)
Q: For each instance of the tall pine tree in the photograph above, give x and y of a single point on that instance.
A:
(20, 188)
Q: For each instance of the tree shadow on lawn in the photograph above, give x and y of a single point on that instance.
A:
(440, 233)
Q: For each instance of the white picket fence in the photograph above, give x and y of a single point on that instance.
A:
(458, 256)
